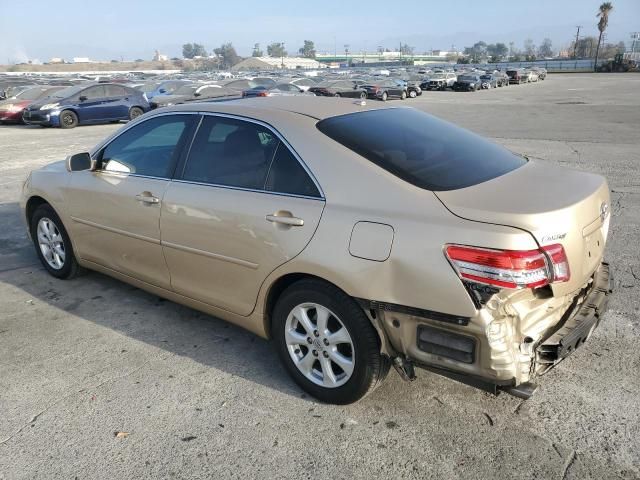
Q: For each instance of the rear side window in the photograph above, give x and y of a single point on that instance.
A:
(286, 175)
(230, 152)
(421, 149)
(114, 91)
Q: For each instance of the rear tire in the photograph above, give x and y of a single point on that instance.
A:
(337, 95)
(135, 112)
(68, 119)
(357, 349)
(52, 243)
(403, 95)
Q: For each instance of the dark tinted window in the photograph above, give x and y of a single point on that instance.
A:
(149, 148)
(288, 176)
(420, 148)
(114, 91)
(230, 152)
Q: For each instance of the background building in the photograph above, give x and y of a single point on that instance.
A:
(269, 63)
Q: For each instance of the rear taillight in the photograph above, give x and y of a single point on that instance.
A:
(262, 94)
(510, 268)
(559, 262)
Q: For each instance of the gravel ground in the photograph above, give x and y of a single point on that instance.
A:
(198, 398)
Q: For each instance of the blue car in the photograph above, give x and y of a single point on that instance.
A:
(87, 104)
(166, 87)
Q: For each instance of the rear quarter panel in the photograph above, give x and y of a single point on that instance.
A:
(416, 273)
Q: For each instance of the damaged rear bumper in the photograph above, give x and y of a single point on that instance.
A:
(581, 320)
(460, 348)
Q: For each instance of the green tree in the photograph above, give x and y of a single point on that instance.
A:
(497, 51)
(257, 52)
(191, 50)
(603, 13)
(406, 49)
(584, 48)
(477, 53)
(529, 49)
(228, 55)
(276, 50)
(308, 50)
(545, 50)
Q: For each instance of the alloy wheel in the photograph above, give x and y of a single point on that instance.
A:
(51, 243)
(319, 345)
(67, 120)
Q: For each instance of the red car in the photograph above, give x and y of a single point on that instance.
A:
(11, 109)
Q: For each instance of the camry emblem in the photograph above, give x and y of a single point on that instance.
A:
(604, 210)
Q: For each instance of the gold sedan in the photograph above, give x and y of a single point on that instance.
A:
(355, 236)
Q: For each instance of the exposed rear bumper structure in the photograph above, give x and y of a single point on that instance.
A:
(458, 348)
(580, 322)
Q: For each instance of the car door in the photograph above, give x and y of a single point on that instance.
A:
(116, 208)
(242, 205)
(90, 103)
(115, 106)
(349, 89)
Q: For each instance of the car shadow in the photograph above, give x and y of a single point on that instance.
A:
(139, 315)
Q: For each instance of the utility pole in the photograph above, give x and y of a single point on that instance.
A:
(575, 45)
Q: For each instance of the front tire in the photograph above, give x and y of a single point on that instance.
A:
(384, 96)
(403, 95)
(413, 94)
(326, 343)
(68, 119)
(52, 243)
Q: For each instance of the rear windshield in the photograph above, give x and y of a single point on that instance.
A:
(421, 149)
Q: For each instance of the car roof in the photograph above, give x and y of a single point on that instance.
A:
(318, 108)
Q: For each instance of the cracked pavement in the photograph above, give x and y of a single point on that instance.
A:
(199, 398)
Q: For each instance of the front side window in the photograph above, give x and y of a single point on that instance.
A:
(149, 148)
(93, 92)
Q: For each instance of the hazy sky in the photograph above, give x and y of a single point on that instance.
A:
(111, 29)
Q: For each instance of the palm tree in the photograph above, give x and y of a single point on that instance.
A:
(603, 13)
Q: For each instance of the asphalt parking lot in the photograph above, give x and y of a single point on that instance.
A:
(194, 397)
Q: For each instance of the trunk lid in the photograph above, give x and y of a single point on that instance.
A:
(554, 204)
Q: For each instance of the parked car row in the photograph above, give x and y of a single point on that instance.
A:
(475, 79)
(68, 102)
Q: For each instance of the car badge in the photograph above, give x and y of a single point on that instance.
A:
(604, 211)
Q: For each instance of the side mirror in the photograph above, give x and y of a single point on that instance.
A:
(197, 94)
(83, 98)
(162, 90)
(79, 162)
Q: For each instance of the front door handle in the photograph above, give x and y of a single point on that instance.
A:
(148, 198)
(285, 218)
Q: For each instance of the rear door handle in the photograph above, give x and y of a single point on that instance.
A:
(284, 219)
(146, 197)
